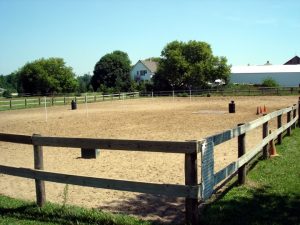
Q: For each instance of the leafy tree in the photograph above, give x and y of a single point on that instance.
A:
(269, 82)
(9, 82)
(112, 71)
(84, 83)
(46, 76)
(189, 64)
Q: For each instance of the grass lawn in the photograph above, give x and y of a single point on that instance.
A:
(271, 195)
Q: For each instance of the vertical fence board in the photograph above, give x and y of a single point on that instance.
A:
(241, 152)
(279, 124)
(265, 134)
(207, 169)
(299, 111)
(191, 178)
(289, 130)
(39, 184)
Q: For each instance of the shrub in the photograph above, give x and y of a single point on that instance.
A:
(269, 82)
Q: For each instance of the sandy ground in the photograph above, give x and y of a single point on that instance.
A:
(151, 119)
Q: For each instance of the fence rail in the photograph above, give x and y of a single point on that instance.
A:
(64, 100)
(193, 190)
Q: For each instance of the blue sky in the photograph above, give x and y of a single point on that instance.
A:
(82, 31)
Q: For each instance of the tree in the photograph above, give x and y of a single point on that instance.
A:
(112, 71)
(189, 64)
(46, 76)
(84, 83)
(9, 82)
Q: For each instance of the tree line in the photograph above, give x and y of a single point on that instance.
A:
(182, 65)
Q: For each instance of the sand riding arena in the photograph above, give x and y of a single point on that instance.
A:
(166, 118)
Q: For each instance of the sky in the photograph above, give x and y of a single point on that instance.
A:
(82, 31)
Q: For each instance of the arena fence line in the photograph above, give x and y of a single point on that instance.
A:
(29, 102)
(194, 190)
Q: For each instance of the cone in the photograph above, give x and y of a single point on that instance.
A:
(272, 149)
(260, 110)
(257, 111)
(265, 109)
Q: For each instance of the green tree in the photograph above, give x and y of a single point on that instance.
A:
(46, 76)
(9, 82)
(189, 64)
(112, 71)
(84, 83)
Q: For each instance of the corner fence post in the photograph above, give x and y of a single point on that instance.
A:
(241, 152)
(299, 110)
(39, 165)
(289, 129)
(265, 134)
(279, 124)
(191, 178)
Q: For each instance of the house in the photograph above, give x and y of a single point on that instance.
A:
(143, 70)
(287, 75)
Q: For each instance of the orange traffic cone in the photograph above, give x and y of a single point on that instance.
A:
(260, 110)
(272, 148)
(265, 109)
(257, 111)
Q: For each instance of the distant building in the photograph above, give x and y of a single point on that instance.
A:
(143, 70)
(287, 75)
(293, 61)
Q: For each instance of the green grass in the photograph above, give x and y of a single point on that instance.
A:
(14, 211)
(271, 195)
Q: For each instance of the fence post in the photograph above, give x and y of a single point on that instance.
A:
(10, 104)
(52, 100)
(289, 130)
(25, 103)
(299, 111)
(265, 134)
(241, 152)
(39, 165)
(64, 100)
(279, 124)
(294, 116)
(95, 98)
(191, 178)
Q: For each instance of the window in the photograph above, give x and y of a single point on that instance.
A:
(143, 72)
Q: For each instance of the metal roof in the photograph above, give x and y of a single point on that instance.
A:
(266, 69)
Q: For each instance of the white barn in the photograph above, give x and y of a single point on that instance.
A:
(143, 70)
(284, 75)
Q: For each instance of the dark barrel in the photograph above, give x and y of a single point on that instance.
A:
(73, 105)
(232, 107)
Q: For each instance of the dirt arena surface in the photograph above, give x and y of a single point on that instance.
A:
(151, 119)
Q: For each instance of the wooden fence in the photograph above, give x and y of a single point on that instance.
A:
(193, 190)
(29, 102)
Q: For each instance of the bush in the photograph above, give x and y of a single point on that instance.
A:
(182, 94)
(269, 82)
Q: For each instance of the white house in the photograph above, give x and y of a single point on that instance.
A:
(284, 75)
(143, 70)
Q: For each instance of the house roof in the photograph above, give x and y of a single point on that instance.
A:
(151, 65)
(266, 69)
(293, 61)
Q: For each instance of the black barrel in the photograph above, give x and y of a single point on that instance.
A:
(73, 105)
(232, 107)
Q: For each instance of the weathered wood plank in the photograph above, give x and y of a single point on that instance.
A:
(173, 190)
(117, 144)
(16, 138)
(191, 178)
(39, 184)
